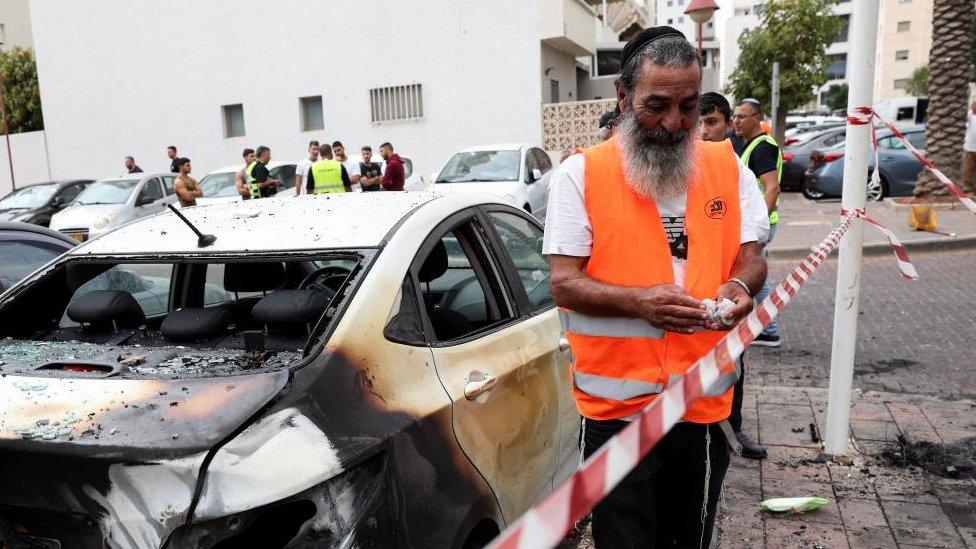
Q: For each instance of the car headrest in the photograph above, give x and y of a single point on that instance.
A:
(106, 307)
(435, 265)
(254, 277)
(291, 308)
(196, 324)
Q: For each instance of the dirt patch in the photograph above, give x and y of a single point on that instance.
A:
(885, 365)
(954, 460)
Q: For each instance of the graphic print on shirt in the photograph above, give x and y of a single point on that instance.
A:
(674, 227)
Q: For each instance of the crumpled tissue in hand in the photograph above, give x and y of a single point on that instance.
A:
(717, 312)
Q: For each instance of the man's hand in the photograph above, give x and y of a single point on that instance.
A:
(743, 305)
(670, 308)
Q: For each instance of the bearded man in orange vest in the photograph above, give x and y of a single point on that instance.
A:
(640, 230)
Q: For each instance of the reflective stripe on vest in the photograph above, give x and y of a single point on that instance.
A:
(327, 175)
(747, 154)
(614, 388)
(251, 182)
(607, 326)
(722, 384)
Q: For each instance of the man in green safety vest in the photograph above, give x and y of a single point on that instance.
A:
(761, 154)
(259, 181)
(327, 175)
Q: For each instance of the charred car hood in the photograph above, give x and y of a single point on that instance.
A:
(128, 418)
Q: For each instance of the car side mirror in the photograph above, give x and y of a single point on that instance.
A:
(536, 175)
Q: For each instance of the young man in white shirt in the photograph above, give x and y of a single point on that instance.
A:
(351, 166)
(969, 151)
(304, 165)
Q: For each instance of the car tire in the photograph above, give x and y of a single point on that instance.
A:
(877, 193)
(812, 194)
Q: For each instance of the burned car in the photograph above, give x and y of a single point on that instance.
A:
(391, 373)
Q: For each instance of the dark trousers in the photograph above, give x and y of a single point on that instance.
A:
(660, 503)
(735, 418)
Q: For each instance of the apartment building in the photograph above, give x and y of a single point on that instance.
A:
(212, 78)
(672, 13)
(904, 41)
(15, 27)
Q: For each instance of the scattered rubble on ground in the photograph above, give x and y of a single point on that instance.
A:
(956, 459)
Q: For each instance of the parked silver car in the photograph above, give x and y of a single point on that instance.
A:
(110, 203)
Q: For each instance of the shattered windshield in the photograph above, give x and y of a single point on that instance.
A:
(107, 192)
(173, 319)
(31, 197)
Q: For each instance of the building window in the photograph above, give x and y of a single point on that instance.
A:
(901, 83)
(710, 24)
(311, 114)
(901, 55)
(3, 35)
(670, 3)
(823, 97)
(670, 21)
(233, 120)
(396, 103)
(553, 91)
(904, 26)
(758, 9)
(842, 37)
(681, 19)
(607, 62)
(837, 70)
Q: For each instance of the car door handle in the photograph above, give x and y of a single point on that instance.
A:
(563, 344)
(478, 383)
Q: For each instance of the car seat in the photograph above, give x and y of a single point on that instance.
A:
(447, 324)
(195, 324)
(291, 312)
(106, 310)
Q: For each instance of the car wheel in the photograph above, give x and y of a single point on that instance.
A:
(812, 194)
(877, 190)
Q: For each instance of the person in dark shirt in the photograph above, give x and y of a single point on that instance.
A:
(393, 178)
(171, 153)
(130, 165)
(371, 173)
(260, 174)
(761, 154)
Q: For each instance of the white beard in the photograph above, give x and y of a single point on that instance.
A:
(658, 165)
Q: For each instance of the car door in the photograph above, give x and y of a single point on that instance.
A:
(492, 362)
(150, 198)
(518, 239)
(899, 166)
(539, 190)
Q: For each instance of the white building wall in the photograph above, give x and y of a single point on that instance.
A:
(15, 19)
(132, 77)
(560, 67)
(30, 160)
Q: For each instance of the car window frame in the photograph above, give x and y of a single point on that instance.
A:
(473, 216)
(170, 188)
(159, 187)
(528, 165)
(543, 160)
(513, 280)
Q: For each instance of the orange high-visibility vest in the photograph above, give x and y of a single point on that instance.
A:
(621, 364)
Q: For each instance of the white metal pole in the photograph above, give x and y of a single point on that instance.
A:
(774, 108)
(864, 29)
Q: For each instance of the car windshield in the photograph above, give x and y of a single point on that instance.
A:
(31, 197)
(187, 317)
(475, 166)
(107, 192)
(217, 184)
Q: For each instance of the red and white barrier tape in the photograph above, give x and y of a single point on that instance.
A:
(548, 521)
(865, 115)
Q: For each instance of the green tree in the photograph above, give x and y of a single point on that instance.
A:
(950, 71)
(918, 82)
(22, 96)
(796, 33)
(837, 97)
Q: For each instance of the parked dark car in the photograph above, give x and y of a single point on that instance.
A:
(25, 247)
(899, 168)
(797, 149)
(37, 203)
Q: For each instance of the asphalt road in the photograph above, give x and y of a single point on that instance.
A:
(913, 337)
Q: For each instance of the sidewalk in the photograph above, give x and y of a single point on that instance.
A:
(803, 223)
(872, 503)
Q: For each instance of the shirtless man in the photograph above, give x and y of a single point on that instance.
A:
(240, 178)
(186, 187)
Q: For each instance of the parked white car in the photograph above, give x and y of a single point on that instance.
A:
(517, 173)
(110, 203)
(218, 185)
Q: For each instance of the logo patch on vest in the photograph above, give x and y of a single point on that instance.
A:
(716, 208)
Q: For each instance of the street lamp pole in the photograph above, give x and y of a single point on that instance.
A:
(701, 11)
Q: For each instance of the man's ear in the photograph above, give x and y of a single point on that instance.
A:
(621, 96)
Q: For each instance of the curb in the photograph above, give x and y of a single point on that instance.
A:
(928, 244)
(940, 206)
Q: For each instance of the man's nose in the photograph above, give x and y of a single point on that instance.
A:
(672, 120)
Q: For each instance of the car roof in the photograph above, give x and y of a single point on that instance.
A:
(237, 167)
(498, 147)
(134, 176)
(35, 229)
(326, 221)
(59, 182)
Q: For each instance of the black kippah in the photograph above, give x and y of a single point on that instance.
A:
(643, 38)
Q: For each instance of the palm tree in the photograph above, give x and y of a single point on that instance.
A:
(950, 71)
